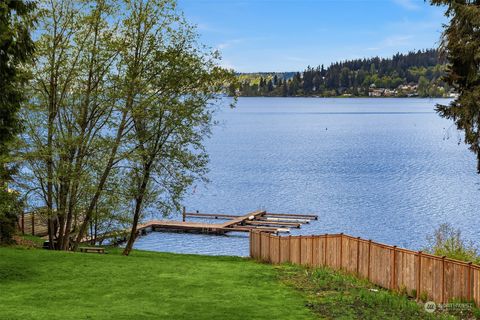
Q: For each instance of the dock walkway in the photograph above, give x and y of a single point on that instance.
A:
(256, 220)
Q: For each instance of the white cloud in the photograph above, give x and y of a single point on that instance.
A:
(392, 41)
(397, 40)
(425, 25)
(407, 4)
(222, 46)
(229, 43)
(227, 64)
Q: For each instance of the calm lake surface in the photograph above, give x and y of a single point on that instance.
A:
(390, 170)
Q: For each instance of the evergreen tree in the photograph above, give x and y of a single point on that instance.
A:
(317, 82)
(461, 43)
(285, 89)
(355, 76)
(270, 86)
(323, 72)
(16, 48)
(345, 78)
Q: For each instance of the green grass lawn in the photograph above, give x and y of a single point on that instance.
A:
(41, 284)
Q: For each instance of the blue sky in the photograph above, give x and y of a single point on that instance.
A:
(288, 35)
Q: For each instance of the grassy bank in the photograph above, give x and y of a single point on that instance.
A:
(41, 284)
(335, 295)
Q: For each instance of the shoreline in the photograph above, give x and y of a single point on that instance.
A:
(349, 97)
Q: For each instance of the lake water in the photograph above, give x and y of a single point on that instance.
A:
(390, 170)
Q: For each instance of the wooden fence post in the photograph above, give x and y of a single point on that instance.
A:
(392, 271)
(33, 223)
(419, 273)
(269, 252)
(325, 249)
(260, 245)
(341, 251)
(311, 247)
(369, 254)
(289, 248)
(469, 285)
(266, 242)
(269, 237)
(23, 223)
(279, 249)
(443, 279)
(358, 255)
(270, 245)
(250, 243)
(300, 247)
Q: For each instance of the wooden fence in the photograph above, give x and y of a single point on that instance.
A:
(418, 274)
(32, 223)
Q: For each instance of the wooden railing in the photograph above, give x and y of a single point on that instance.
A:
(416, 273)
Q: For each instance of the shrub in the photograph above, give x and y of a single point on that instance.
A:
(447, 241)
(10, 207)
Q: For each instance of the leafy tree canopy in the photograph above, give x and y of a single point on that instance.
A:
(16, 47)
(461, 45)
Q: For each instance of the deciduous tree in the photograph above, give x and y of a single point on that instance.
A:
(177, 81)
(120, 103)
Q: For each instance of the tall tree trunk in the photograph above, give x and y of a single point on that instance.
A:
(95, 229)
(51, 233)
(138, 209)
(52, 114)
(103, 180)
(65, 177)
(478, 161)
(91, 233)
(70, 216)
(51, 118)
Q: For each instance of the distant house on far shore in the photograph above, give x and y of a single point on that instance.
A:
(403, 90)
(374, 92)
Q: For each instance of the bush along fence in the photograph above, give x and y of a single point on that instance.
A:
(420, 275)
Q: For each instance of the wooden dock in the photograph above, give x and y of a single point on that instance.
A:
(256, 220)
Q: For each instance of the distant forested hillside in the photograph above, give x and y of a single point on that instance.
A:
(416, 73)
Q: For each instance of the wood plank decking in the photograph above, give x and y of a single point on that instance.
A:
(256, 220)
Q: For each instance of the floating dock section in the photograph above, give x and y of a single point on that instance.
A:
(257, 220)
